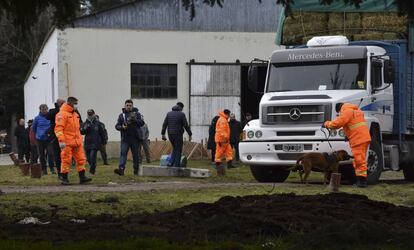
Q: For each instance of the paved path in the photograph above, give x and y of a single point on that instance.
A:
(394, 178)
(124, 187)
(5, 160)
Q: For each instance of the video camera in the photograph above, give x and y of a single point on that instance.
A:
(131, 119)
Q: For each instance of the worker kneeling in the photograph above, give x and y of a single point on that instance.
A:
(222, 139)
(352, 120)
(67, 131)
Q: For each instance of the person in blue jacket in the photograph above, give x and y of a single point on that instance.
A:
(40, 128)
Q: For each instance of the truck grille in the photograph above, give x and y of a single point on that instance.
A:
(289, 156)
(296, 114)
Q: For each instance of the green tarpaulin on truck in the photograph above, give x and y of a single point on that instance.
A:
(340, 6)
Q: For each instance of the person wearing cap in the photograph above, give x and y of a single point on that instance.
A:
(93, 132)
(352, 120)
(222, 139)
(175, 121)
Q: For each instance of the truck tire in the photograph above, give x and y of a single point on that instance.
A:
(269, 174)
(375, 162)
(408, 170)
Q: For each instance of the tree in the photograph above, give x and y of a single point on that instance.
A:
(26, 12)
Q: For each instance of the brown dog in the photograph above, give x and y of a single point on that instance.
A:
(327, 163)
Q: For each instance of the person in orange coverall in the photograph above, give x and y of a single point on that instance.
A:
(222, 139)
(67, 131)
(352, 120)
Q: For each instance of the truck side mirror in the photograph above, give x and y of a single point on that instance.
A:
(389, 76)
(252, 77)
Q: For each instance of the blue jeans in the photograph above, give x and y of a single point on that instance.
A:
(91, 157)
(125, 146)
(177, 144)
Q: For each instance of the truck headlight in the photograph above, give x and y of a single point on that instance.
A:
(341, 133)
(333, 132)
(250, 134)
(258, 134)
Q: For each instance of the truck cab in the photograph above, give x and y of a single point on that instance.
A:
(304, 83)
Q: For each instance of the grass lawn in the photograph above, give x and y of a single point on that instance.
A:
(65, 206)
(19, 205)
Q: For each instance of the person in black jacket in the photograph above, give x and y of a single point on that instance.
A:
(211, 144)
(104, 138)
(235, 131)
(54, 141)
(23, 143)
(93, 132)
(129, 123)
(176, 122)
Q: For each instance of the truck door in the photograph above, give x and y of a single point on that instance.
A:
(382, 96)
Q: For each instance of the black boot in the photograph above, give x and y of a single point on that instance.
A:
(361, 182)
(218, 168)
(119, 171)
(82, 178)
(64, 179)
(136, 171)
(106, 163)
(230, 164)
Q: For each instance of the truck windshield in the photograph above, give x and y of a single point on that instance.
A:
(349, 74)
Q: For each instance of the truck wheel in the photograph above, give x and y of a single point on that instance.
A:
(269, 174)
(374, 162)
(408, 170)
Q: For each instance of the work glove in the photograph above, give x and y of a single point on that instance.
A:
(325, 124)
(62, 145)
(164, 138)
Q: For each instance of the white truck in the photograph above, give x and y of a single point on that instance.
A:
(304, 83)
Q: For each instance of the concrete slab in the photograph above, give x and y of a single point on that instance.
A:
(5, 160)
(147, 170)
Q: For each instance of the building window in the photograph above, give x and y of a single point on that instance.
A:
(153, 80)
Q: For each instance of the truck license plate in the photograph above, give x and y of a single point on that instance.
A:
(293, 147)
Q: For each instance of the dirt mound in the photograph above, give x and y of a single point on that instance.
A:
(246, 218)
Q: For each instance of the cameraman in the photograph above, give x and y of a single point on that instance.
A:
(129, 123)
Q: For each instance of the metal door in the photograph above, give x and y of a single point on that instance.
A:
(213, 87)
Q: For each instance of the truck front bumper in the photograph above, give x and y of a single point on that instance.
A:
(274, 153)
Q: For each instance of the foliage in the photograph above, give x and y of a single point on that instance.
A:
(404, 7)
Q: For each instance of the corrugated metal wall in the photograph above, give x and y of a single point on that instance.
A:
(236, 15)
(213, 88)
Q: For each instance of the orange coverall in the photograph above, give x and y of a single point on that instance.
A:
(67, 131)
(222, 139)
(352, 120)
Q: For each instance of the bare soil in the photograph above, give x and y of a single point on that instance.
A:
(245, 219)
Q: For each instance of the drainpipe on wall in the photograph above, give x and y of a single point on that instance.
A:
(67, 79)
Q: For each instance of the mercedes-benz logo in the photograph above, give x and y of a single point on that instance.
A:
(294, 114)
